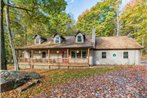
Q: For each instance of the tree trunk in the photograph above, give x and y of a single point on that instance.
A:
(3, 65)
(10, 38)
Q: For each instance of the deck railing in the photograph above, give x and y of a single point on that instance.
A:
(53, 60)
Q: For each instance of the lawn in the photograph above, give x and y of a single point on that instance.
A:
(52, 78)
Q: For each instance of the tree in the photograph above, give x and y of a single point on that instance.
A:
(2, 38)
(10, 37)
(29, 17)
(48, 16)
(134, 21)
(102, 16)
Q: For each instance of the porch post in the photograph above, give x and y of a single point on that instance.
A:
(67, 55)
(31, 59)
(88, 55)
(48, 56)
(17, 53)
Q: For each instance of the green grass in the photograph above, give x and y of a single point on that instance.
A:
(57, 77)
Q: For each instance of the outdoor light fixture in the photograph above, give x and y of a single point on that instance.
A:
(57, 51)
(39, 51)
(77, 51)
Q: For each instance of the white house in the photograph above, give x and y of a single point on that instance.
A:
(79, 50)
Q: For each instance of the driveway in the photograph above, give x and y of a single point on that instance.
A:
(144, 62)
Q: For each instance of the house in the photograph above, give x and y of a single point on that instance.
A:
(78, 50)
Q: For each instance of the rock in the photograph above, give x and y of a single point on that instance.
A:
(28, 85)
(33, 75)
(12, 79)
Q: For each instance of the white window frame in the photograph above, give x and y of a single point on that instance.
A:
(125, 56)
(82, 38)
(80, 51)
(104, 57)
(57, 37)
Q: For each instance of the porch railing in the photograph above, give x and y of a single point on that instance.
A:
(53, 60)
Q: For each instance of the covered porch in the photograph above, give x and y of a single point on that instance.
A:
(54, 57)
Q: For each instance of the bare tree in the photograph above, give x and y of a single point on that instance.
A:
(10, 37)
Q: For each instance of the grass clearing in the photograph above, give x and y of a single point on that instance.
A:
(52, 78)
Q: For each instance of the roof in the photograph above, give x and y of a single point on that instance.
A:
(59, 35)
(121, 42)
(40, 36)
(117, 42)
(68, 43)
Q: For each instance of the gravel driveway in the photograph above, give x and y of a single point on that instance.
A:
(130, 83)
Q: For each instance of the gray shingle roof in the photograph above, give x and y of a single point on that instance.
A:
(121, 42)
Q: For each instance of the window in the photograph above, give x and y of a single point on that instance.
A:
(43, 54)
(73, 54)
(103, 55)
(79, 38)
(78, 54)
(84, 54)
(114, 55)
(37, 41)
(57, 39)
(125, 55)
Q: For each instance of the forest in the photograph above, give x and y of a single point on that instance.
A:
(46, 17)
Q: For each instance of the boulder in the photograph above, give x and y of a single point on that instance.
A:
(12, 79)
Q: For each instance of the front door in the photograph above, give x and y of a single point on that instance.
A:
(64, 56)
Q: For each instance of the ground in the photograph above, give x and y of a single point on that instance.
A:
(130, 83)
(92, 82)
(144, 57)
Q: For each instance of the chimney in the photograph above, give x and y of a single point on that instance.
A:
(93, 37)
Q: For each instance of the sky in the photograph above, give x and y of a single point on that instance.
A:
(77, 7)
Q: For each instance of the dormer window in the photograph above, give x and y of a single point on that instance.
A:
(57, 39)
(79, 37)
(37, 41)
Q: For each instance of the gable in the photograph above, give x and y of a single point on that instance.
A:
(39, 39)
(79, 37)
(57, 39)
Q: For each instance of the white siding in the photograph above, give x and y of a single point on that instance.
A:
(37, 56)
(55, 55)
(26, 54)
(91, 57)
(96, 56)
(133, 57)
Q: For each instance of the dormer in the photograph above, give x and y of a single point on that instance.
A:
(58, 38)
(39, 39)
(79, 37)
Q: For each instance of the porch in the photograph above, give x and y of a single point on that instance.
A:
(54, 57)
